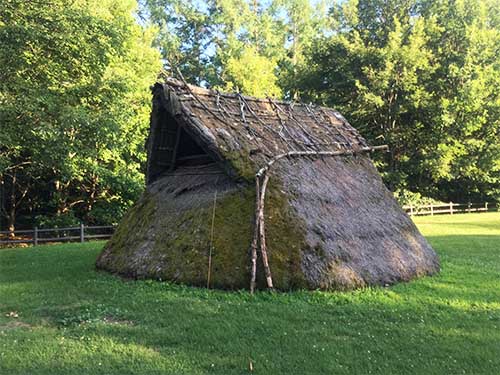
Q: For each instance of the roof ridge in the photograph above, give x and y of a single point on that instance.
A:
(199, 90)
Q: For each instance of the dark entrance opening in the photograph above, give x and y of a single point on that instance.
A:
(172, 147)
(189, 152)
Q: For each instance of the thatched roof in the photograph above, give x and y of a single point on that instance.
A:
(326, 222)
(233, 126)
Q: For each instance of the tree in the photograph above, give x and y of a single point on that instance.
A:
(374, 68)
(466, 40)
(185, 32)
(300, 23)
(74, 99)
(421, 76)
(247, 45)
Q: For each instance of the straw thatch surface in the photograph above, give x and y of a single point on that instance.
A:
(330, 222)
(243, 133)
(356, 233)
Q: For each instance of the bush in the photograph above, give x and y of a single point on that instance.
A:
(406, 197)
(61, 221)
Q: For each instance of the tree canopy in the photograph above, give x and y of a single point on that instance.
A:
(419, 75)
(74, 98)
(423, 77)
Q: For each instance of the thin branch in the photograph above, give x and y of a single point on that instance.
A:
(262, 234)
(255, 241)
(317, 153)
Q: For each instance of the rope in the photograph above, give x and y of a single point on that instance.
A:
(212, 237)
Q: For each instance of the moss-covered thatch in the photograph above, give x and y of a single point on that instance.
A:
(173, 241)
(330, 223)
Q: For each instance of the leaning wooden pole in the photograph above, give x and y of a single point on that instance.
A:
(259, 238)
(262, 234)
(255, 240)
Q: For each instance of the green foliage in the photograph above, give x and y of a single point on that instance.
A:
(407, 197)
(67, 219)
(74, 106)
(251, 46)
(252, 73)
(422, 77)
(184, 32)
(74, 320)
(466, 41)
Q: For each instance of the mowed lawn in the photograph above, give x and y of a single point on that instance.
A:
(74, 320)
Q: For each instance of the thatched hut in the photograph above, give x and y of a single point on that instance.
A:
(244, 191)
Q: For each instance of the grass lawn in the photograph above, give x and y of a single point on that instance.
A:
(74, 320)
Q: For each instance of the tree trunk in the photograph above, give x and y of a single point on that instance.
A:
(93, 193)
(11, 216)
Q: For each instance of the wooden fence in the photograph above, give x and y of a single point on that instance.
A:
(449, 208)
(37, 236)
(83, 232)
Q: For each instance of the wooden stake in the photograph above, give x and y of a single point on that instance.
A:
(255, 235)
(82, 233)
(176, 147)
(262, 234)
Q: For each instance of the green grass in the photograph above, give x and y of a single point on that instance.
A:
(74, 320)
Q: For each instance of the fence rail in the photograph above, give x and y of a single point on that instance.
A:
(81, 233)
(36, 236)
(449, 208)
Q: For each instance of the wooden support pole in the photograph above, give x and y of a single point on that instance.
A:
(262, 234)
(82, 233)
(451, 208)
(35, 236)
(432, 209)
(176, 147)
(255, 236)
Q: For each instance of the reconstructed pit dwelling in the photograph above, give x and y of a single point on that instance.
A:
(245, 192)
